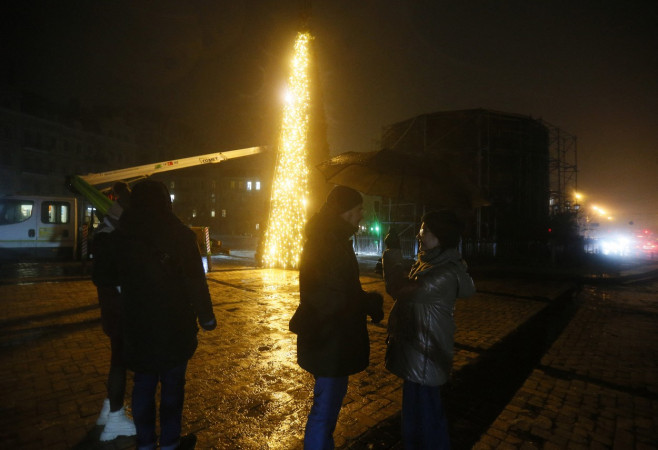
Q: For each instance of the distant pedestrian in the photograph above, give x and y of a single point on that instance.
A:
(156, 261)
(331, 320)
(421, 325)
(112, 417)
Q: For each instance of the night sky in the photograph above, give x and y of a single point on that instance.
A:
(587, 67)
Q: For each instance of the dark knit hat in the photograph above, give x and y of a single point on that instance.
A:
(150, 195)
(445, 225)
(343, 198)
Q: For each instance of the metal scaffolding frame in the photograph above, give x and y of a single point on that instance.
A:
(525, 166)
(563, 170)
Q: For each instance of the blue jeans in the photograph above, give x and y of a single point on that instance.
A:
(172, 393)
(328, 395)
(424, 423)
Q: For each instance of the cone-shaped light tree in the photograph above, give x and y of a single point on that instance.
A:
(284, 236)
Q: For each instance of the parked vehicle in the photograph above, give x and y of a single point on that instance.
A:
(36, 227)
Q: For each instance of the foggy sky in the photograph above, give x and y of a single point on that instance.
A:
(587, 67)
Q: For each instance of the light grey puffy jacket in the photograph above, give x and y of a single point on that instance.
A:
(421, 325)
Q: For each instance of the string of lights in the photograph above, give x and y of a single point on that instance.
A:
(284, 235)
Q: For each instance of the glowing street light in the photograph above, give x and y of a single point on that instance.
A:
(600, 211)
(284, 235)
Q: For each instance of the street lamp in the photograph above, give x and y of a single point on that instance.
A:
(578, 197)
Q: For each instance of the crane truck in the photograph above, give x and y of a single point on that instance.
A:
(43, 227)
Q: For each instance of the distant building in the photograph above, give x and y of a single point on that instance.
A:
(231, 197)
(40, 144)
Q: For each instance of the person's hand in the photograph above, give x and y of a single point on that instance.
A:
(210, 325)
(375, 305)
(392, 240)
(377, 316)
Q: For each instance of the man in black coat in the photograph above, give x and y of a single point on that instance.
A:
(156, 262)
(330, 322)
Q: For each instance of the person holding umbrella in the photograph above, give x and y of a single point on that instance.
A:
(421, 325)
(331, 319)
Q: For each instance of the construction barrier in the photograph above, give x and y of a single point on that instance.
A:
(203, 241)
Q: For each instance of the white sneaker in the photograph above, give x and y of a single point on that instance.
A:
(118, 424)
(105, 413)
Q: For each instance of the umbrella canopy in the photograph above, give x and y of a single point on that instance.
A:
(415, 177)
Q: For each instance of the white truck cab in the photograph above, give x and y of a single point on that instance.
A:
(37, 227)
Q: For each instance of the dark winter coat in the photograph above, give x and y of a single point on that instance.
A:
(156, 261)
(331, 320)
(421, 325)
(109, 297)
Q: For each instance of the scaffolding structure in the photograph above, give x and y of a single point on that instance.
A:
(563, 170)
(506, 155)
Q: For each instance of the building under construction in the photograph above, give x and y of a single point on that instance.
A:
(510, 157)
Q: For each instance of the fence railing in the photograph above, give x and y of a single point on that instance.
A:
(470, 248)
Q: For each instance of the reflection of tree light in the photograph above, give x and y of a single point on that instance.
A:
(284, 237)
(278, 280)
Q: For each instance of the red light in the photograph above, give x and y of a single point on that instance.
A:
(550, 230)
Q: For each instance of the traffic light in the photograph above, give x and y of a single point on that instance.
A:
(374, 228)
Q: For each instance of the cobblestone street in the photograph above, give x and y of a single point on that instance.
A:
(589, 379)
(597, 387)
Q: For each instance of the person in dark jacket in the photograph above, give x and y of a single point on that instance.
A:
(331, 320)
(156, 262)
(421, 325)
(113, 417)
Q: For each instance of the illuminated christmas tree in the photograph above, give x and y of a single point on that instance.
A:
(284, 236)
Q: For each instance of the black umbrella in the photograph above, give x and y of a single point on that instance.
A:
(420, 178)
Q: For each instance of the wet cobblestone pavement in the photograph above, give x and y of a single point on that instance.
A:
(533, 369)
(597, 386)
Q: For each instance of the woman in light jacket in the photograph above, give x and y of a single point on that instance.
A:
(421, 325)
